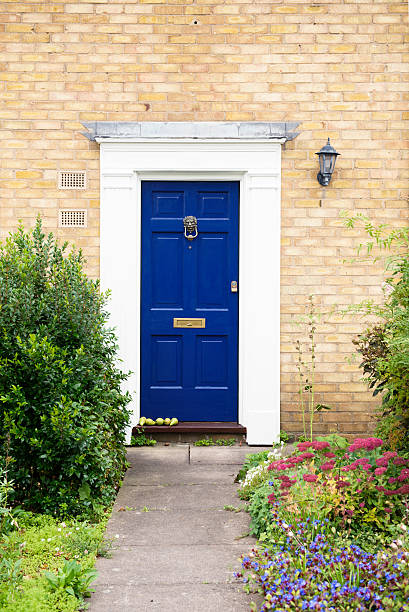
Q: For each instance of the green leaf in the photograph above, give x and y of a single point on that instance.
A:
(84, 491)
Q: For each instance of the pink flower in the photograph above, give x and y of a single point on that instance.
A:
(385, 491)
(404, 475)
(327, 465)
(342, 484)
(388, 510)
(362, 461)
(310, 477)
(320, 445)
(307, 455)
(399, 461)
(271, 498)
(379, 471)
(330, 455)
(382, 462)
(302, 446)
(365, 443)
(362, 505)
(389, 454)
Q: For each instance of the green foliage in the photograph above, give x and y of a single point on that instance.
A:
(218, 442)
(73, 578)
(259, 509)
(384, 346)
(284, 437)
(41, 543)
(337, 443)
(252, 460)
(142, 440)
(63, 414)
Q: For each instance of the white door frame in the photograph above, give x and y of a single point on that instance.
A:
(257, 165)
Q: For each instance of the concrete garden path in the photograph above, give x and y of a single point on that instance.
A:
(177, 547)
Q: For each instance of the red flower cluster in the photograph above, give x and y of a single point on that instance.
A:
(302, 446)
(365, 443)
(286, 482)
(310, 477)
(362, 462)
(403, 490)
(327, 465)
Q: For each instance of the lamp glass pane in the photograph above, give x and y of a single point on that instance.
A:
(328, 162)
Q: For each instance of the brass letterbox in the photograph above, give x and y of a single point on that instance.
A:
(183, 322)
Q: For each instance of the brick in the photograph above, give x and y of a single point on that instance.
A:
(339, 68)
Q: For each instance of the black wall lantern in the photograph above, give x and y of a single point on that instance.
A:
(328, 157)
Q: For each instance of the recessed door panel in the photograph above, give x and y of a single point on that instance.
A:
(166, 271)
(165, 204)
(212, 361)
(213, 204)
(189, 332)
(212, 260)
(166, 361)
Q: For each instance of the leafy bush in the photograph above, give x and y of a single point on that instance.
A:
(260, 510)
(384, 346)
(63, 415)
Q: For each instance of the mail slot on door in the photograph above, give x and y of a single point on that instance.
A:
(178, 322)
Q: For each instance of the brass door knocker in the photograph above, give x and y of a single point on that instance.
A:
(190, 224)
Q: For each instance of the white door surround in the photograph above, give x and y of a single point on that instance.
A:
(126, 160)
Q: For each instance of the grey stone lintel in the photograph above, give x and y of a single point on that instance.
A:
(200, 130)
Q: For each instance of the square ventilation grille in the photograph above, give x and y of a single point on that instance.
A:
(72, 218)
(72, 179)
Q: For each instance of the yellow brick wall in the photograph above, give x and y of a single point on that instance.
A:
(340, 68)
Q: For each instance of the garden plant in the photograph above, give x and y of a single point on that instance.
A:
(62, 424)
(332, 526)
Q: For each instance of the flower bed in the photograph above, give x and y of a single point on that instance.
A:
(331, 520)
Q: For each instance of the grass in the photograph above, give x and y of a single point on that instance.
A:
(42, 544)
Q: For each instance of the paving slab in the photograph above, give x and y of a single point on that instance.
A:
(183, 496)
(206, 598)
(190, 475)
(170, 564)
(176, 547)
(188, 528)
(214, 455)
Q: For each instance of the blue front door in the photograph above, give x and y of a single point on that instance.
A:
(189, 371)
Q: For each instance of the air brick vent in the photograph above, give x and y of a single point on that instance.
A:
(72, 218)
(72, 179)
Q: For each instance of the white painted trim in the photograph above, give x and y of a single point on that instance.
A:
(257, 166)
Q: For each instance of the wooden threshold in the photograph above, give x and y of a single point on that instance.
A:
(196, 427)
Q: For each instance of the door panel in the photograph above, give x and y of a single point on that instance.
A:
(190, 373)
(212, 262)
(166, 361)
(166, 271)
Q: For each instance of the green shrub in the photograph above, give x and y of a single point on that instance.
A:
(63, 414)
(384, 346)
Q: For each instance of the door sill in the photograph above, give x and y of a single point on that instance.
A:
(190, 431)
